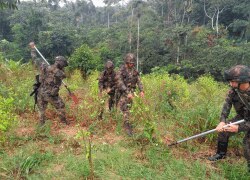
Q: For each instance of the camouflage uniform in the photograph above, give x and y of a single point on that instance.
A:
(106, 81)
(127, 79)
(233, 99)
(51, 79)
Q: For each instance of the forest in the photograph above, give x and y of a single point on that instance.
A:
(182, 49)
(187, 37)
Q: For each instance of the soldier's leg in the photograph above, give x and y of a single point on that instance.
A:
(124, 107)
(58, 103)
(246, 145)
(222, 144)
(102, 104)
(42, 106)
(111, 101)
(117, 98)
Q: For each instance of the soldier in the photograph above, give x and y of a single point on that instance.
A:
(238, 97)
(51, 79)
(127, 79)
(106, 82)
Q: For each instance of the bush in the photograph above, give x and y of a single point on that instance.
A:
(7, 118)
(84, 59)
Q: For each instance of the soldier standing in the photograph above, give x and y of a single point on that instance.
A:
(238, 97)
(51, 79)
(127, 79)
(106, 84)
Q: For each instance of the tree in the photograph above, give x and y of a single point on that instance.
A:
(216, 7)
(11, 4)
(5, 29)
(109, 3)
(84, 59)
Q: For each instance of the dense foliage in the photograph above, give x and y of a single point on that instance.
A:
(176, 42)
(172, 109)
(190, 37)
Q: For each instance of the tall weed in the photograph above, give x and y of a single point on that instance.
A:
(7, 116)
(18, 78)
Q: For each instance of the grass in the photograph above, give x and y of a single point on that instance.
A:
(172, 109)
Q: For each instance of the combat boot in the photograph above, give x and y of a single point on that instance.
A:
(128, 128)
(221, 152)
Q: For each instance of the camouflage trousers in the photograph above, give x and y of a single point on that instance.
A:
(224, 137)
(56, 101)
(112, 102)
(125, 105)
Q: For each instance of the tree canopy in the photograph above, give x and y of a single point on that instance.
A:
(184, 36)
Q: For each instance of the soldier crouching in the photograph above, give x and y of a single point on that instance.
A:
(239, 98)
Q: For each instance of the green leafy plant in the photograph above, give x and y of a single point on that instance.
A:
(86, 142)
(7, 117)
(84, 59)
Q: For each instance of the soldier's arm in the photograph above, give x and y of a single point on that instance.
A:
(32, 50)
(101, 82)
(60, 74)
(227, 106)
(43, 69)
(120, 83)
(33, 54)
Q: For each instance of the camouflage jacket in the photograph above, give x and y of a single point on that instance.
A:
(127, 79)
(245, 98)
(107, 81)
(234, 100)
(51, 79)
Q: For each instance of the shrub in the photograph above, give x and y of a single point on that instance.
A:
(7, 118)
(84, 59)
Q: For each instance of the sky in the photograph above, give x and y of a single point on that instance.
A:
(98, 3)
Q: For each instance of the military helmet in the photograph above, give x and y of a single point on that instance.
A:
(129, 58)
(61, 62)
(109, 65)
(239, 73)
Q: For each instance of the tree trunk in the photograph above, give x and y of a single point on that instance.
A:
(108, 20)
(183, 16)
(138, 41)
(212, 18)
(217, 19)
(178, 55)
(130, 30)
